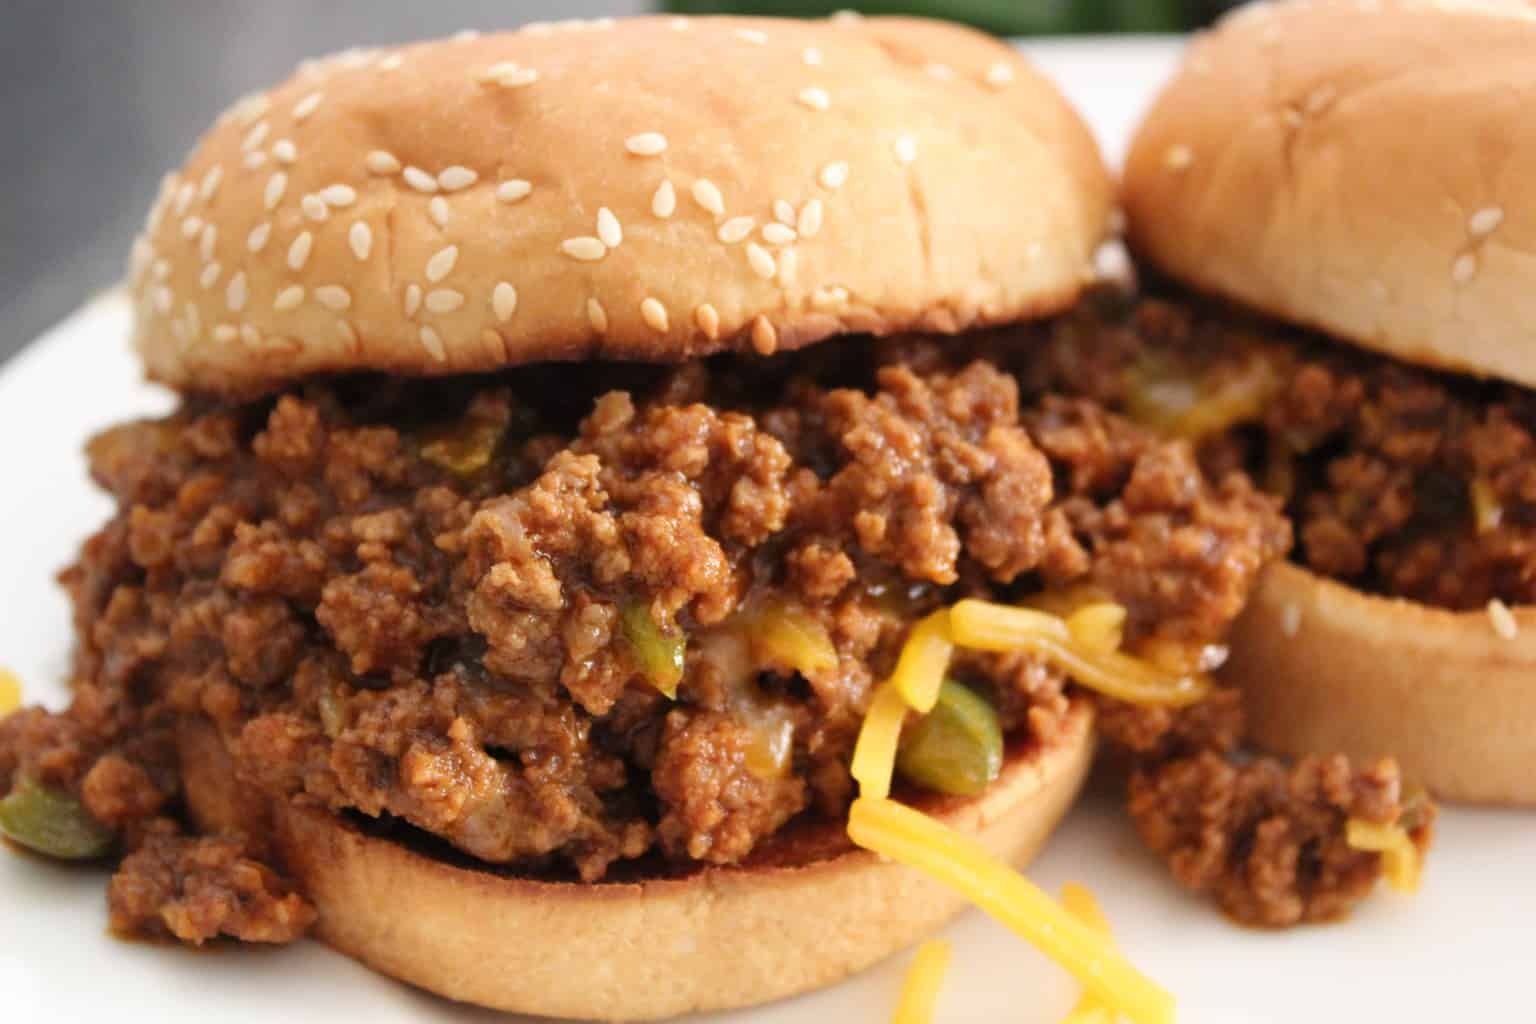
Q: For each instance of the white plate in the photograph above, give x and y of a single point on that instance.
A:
(1465, 942)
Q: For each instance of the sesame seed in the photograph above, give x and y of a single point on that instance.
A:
(751, 35)
(347, 333)
(736, 229)
(314, 208)
(210, 275)
(257, 239)
(360, 238)
(412, 299)
(225, 334)
(298, 251)
(442, 262)
(250, 335)
(999, 74)
(828, 298)
(392, 62)
(1465, 268)
(906, 149)
(789, 267)
(679, 24)
(784, 212)
(585, 248)
(211, 181)
(433, 343)
(162, 269)
(284, 151)
(288, 299)
(538, 28)
(845, 17)
(249, 107)
(163, 299)
(834, 175)
(597, 316)
(513, 190)
(1485, 221)
(655, 315)
(664, 201)
(382, 162)
(815, 98)
(708, 196)
(206, 241)
(139, 257)
(184, 196)
(333, 297)
(338, 195)
(235, 293)
(765, 338)
(760, 261)
(190, 226)
(466, 35)
(437, 209)
(255, 137)
(812, 56)
(273, 193)
(516, 78)
(420, 180)
(308, 105)
(1178, 157)
(1503, 619)
(609, 231)
(809, 222)
(504, 301)
(942, 72)
(253, 159)
(452, 179)
(778, 234)
(444, 300)
(646, 144)
(708, 320)
(496, 71)
(1290, 620)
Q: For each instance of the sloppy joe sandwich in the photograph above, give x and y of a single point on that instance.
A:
(1331, 196)
(602, 469)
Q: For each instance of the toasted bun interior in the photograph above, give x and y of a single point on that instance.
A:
(1365, 169)
(1451, 695)
(655, 189)
(716, 939)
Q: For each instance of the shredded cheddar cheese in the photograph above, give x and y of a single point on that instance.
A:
(1098, 627)
(920, 991)
(994, 627)
(10, 692)
(924, 659)
(1399, 857)
(874, 754)
(912, 838)
(1080, 903)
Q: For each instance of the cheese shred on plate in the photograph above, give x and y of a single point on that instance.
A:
(920, 991)
(912, 838)
(1399, 857)
(10, 692)
(1081, 904)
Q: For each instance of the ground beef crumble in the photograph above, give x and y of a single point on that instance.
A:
(387, 616)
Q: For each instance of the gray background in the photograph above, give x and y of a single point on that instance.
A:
(98, 98)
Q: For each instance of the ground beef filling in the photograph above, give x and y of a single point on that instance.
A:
(416, 601)
(1401, 481)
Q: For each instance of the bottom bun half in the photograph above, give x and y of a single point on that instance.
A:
(1325, 667)
(814, 912)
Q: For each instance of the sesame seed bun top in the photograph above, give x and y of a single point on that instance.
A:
(655, 188)
(1361, 166)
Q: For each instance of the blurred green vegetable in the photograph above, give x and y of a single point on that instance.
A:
(52, 823)
(956, 748)
(660, 655)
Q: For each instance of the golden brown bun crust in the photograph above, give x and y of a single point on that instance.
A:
(1366, 169)
(922, 175)
(1324, 667)
(722, 938)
